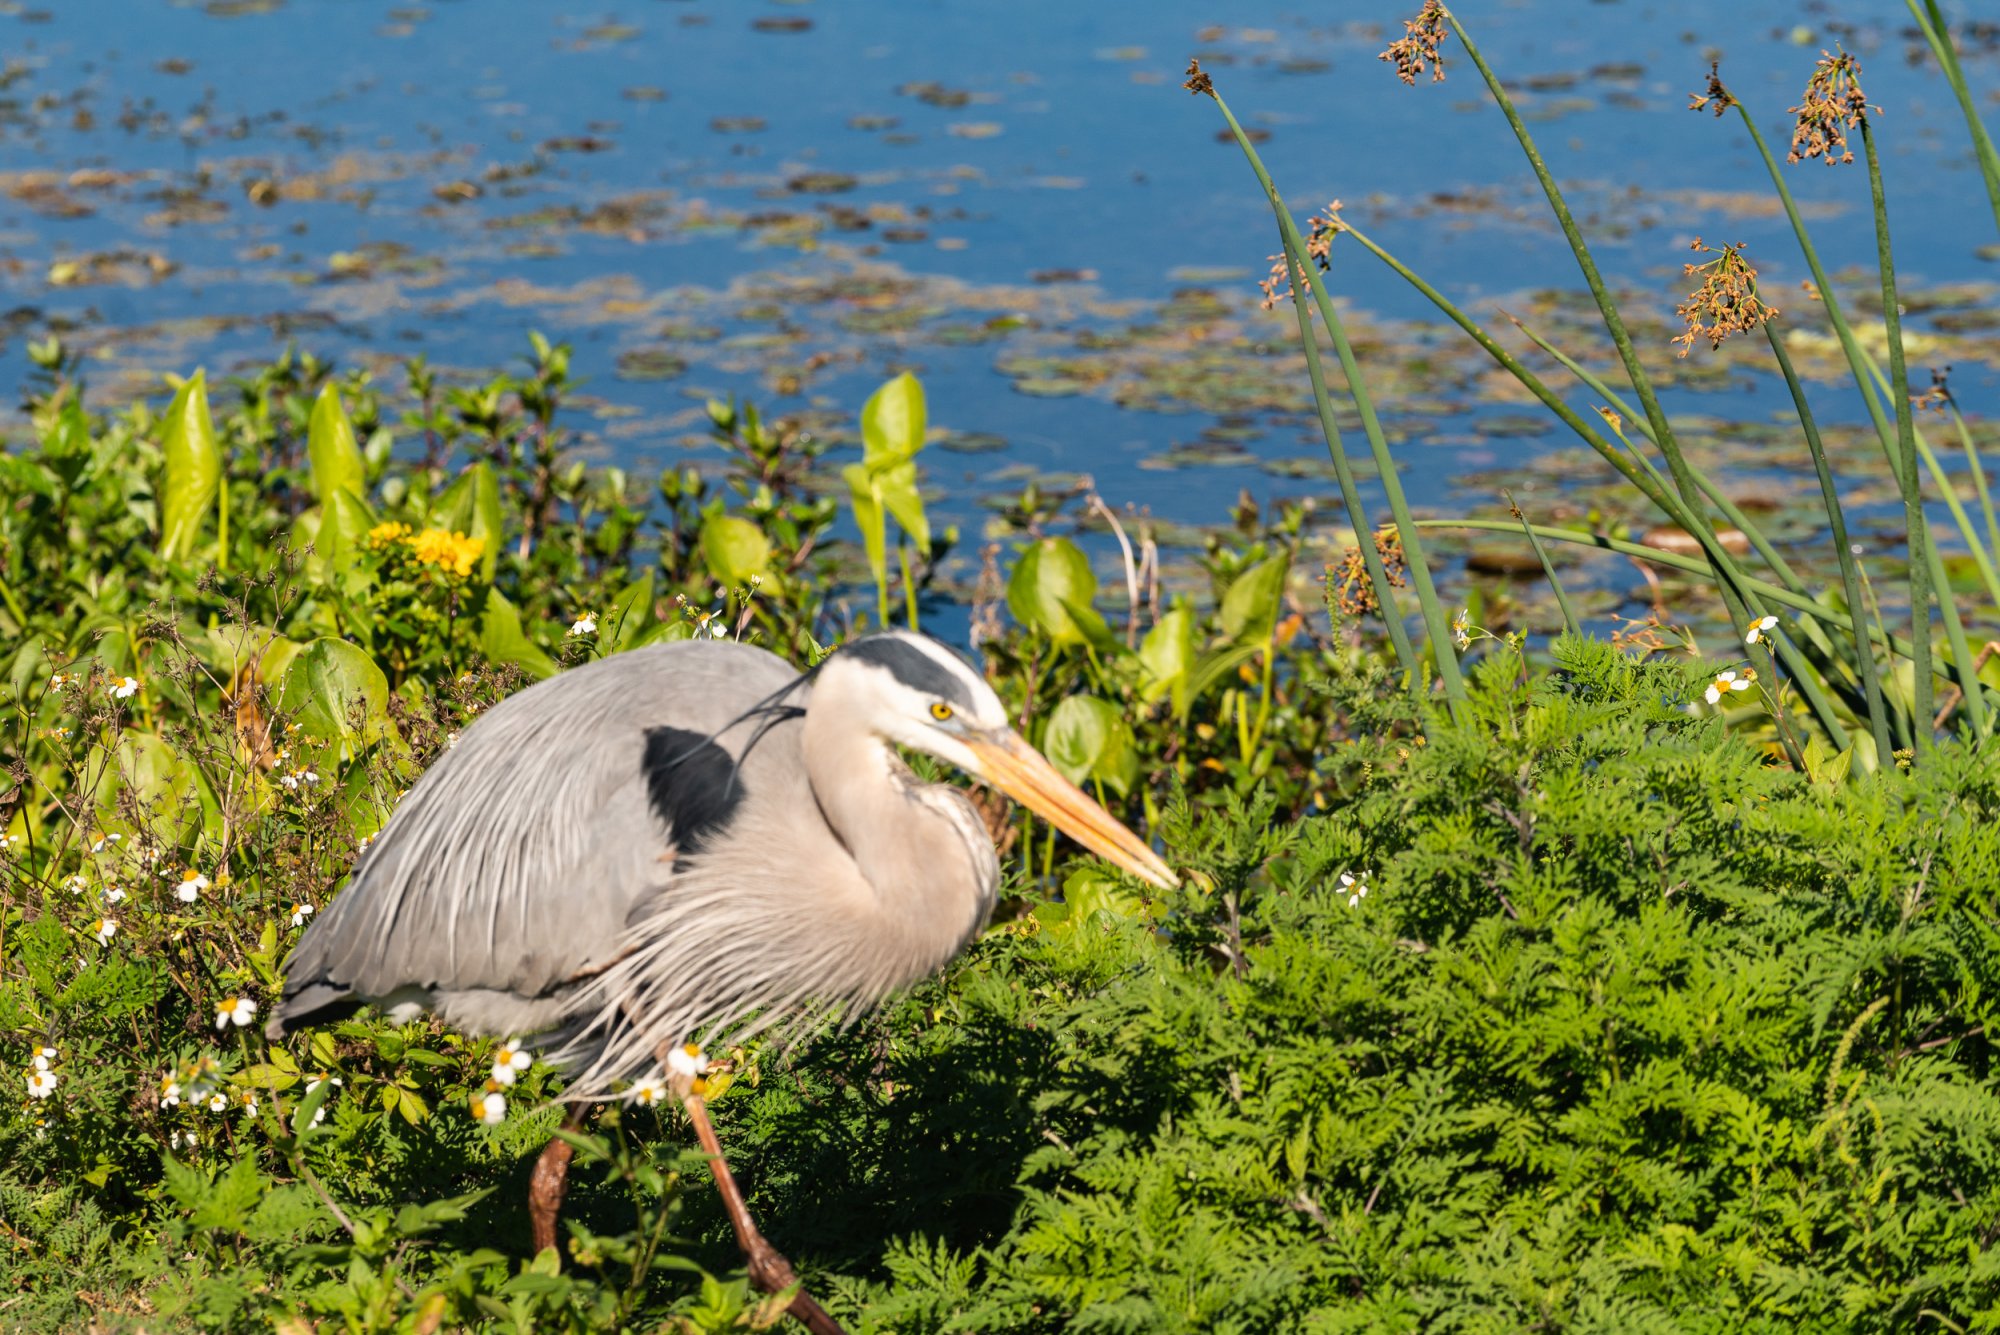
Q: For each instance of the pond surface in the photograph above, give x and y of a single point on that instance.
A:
(788, 201)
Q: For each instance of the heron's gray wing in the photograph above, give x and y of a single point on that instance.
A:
(512, 866)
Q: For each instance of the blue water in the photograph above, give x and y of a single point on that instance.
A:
(1074, 149)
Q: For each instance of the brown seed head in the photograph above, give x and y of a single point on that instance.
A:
(1938, 397)
(1717, 96)
(1322, 228)
(1833, 105)
(1726, 302)
(1418, 46)
(1197, 82)
(1348, 587)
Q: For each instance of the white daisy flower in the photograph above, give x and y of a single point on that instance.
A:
(1461, 634)
(124, 688)
(1355, 885)
(191, 886)
(300, 912)
(113, 895)
(247, 1099)
(489, 1105)
(687, 1060)
(185, 1140)
(44, 1057)
(509, 1060)
(104, 929)
(319, 1113)
(1760, 628)
(584, 625)
(170, 1091)
(647, 1092)
(77, 885)
(1725, 682)
(105, 842)
(57, 682)
(218, 1102)
(41, 1084)
(7, 841)
(238, 1011)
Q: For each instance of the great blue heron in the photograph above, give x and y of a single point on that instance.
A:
(687, 842)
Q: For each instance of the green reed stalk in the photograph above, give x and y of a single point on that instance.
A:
(1913, 497)
(1978, 470)
(1300, 269)
(1570, 622)
(1930, 21)
(1729, 508)
(1850, 575)
(1774, 593)
(1694, 524)
(1948, 490)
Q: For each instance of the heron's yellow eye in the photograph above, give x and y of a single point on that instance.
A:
(940, 711)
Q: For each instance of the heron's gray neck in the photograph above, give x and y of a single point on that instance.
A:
(910, 840)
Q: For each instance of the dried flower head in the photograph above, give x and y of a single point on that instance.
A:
(1726, 302)
(1321, 229)
(1717, 96)
(1937, 398)
(1197, 82)
(1348, 587)
(1418, 46)
(1833, 104)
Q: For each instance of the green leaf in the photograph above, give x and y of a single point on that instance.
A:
(1166, 659)
(897, 486)
(1250, 609)
(1052, 590)
(332, 450)
(630, 615)
(1087, 738)
(344, 522)
(335, 692)
(193, 468)
(868, 517)
(502, 640)
(734, 549)
(471, 505)
(893, 422)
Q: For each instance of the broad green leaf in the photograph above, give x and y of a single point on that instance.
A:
(1250, 609)
(734, 549)
(1166, 659)
(344, 522)
(471, 505)
(335, 691)
(159, 780)
(1051, 584)
(897, 487)
(332, 450)
(868, 518)
(502, 640)
(893, 422)
(193, 468)
(1087, 738)
(630, 615)
(1091, 890)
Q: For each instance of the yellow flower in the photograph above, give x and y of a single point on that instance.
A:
(454, 551)
(382, 535)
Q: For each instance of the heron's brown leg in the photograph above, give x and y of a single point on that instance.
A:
(769, 1270)
(550, 1180)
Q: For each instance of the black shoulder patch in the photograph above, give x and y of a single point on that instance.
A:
(692, 784)
(911, 666)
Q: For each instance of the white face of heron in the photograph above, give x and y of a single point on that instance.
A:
(923, 696)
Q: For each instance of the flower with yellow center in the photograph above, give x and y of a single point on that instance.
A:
(1725, 682)
(489, 1105)
(191, 886)
(238, 1011)
(647, 1092)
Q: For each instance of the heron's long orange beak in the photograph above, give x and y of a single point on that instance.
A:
(1024, 774)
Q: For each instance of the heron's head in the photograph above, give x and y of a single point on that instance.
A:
(915, 692)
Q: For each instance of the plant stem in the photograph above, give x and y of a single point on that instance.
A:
(1570, 623)
(1977, 468)
(1850, 576)
(1918, 530)
(1930, 21)
(1303, 276)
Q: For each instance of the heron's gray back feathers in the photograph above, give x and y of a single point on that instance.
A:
(515, 861)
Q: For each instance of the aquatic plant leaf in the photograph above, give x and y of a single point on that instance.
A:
(1167, 658)
(893, 422)
(868, 517)
(502, 640)
(335, 691)
(471, 505)
(630, 615)
(332, 450)
(193, 467)
(734, 549)
(1088, 738)
(897, 488)
(1051, 587)
(1250, 609)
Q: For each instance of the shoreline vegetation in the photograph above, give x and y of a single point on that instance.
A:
(1594, 985)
